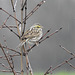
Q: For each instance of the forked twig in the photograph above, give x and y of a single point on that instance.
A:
(62, 64)
(31, 13)
(9, 57)
(66, 61)
(8, 60)
(47, 72)
(10, 15)
(44, 39)
(4, 23)
(12, 50)
(12, 31)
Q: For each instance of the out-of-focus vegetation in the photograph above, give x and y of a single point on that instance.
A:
(42, 73)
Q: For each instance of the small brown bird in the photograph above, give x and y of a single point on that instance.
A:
(32, 35)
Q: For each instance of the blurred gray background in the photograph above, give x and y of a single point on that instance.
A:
(52, 14)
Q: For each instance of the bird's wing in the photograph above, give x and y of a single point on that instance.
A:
(30, 34)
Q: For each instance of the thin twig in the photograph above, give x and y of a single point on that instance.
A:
(47, 72)
(12, 31)
(17, 24)
(11, 61)
(24, 5)
(15, 5)
(51, 34)
(5, 40)
(5, 66)
(9, 71)
(12, 5)
(28, 66)
(5, 71)
(25, 17)
(71, 65)
(31, 13)
(10, 15)
(7, 60)
(44, 39)
(3, 57)
(9, 57)
(4, 23)
(67, 50)
(45, 34)
(3, 26)
(12, 55)
(6, 20)
(14, 10)
(64, 62)
(11, 49)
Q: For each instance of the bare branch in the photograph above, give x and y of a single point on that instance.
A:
(45, 39)
(5, 71)
(70, 64)
(67, 50)
(4, 23)
(22, 71)
(3, 26)
(47, 72)
(9, 71)
(62, 63)
(12, 31)
(7, 60)
(12, 5)
(12, 50)
(10, 15)
(31, 13)
(5, 66)
(25, 4)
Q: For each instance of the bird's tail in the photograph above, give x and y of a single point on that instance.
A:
(20, 45)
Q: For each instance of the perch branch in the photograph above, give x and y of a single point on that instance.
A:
(44, 39)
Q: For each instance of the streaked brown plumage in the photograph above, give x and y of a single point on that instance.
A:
(32, 35)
